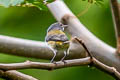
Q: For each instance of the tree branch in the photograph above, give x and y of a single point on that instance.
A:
(115, 8)
(107, 69)
(35, 49)
(46, 66)
(101, 51)
(28, 48)
(58, 65)
(15, 75)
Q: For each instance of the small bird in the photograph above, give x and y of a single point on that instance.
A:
(57, 39)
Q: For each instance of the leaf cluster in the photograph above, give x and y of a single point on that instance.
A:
(37, 3)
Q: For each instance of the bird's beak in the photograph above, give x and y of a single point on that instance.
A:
(64, 26)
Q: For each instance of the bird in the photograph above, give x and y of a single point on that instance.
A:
(57, 40)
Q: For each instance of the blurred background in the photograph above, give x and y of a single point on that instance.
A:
(31, 23)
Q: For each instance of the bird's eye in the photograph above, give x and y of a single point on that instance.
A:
(61, 24)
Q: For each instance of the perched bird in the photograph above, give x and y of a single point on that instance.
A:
(57, 39)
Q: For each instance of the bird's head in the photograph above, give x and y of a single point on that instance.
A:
(56, 26)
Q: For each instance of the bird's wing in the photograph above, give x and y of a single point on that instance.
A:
(60, 37)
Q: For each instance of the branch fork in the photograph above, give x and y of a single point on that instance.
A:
(101, 55)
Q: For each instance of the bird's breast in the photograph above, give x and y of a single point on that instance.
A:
(58, 45)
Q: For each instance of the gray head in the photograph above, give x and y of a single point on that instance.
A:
(56, 26)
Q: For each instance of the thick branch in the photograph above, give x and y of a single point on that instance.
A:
(35, 49)
(15, 75)
(98, 48)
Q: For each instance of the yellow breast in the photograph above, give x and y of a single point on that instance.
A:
(58, 45)
(55, 32)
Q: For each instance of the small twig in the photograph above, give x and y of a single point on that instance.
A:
(84, 11)
(15, 75)
(84, 46)
(58, 65)
(46, 66)
(107, 69)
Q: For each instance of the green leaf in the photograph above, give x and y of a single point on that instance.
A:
(8, 3)
(38, 3)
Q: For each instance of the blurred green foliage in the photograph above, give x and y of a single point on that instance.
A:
(37, 3)
(31, 23)
(8, 3)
